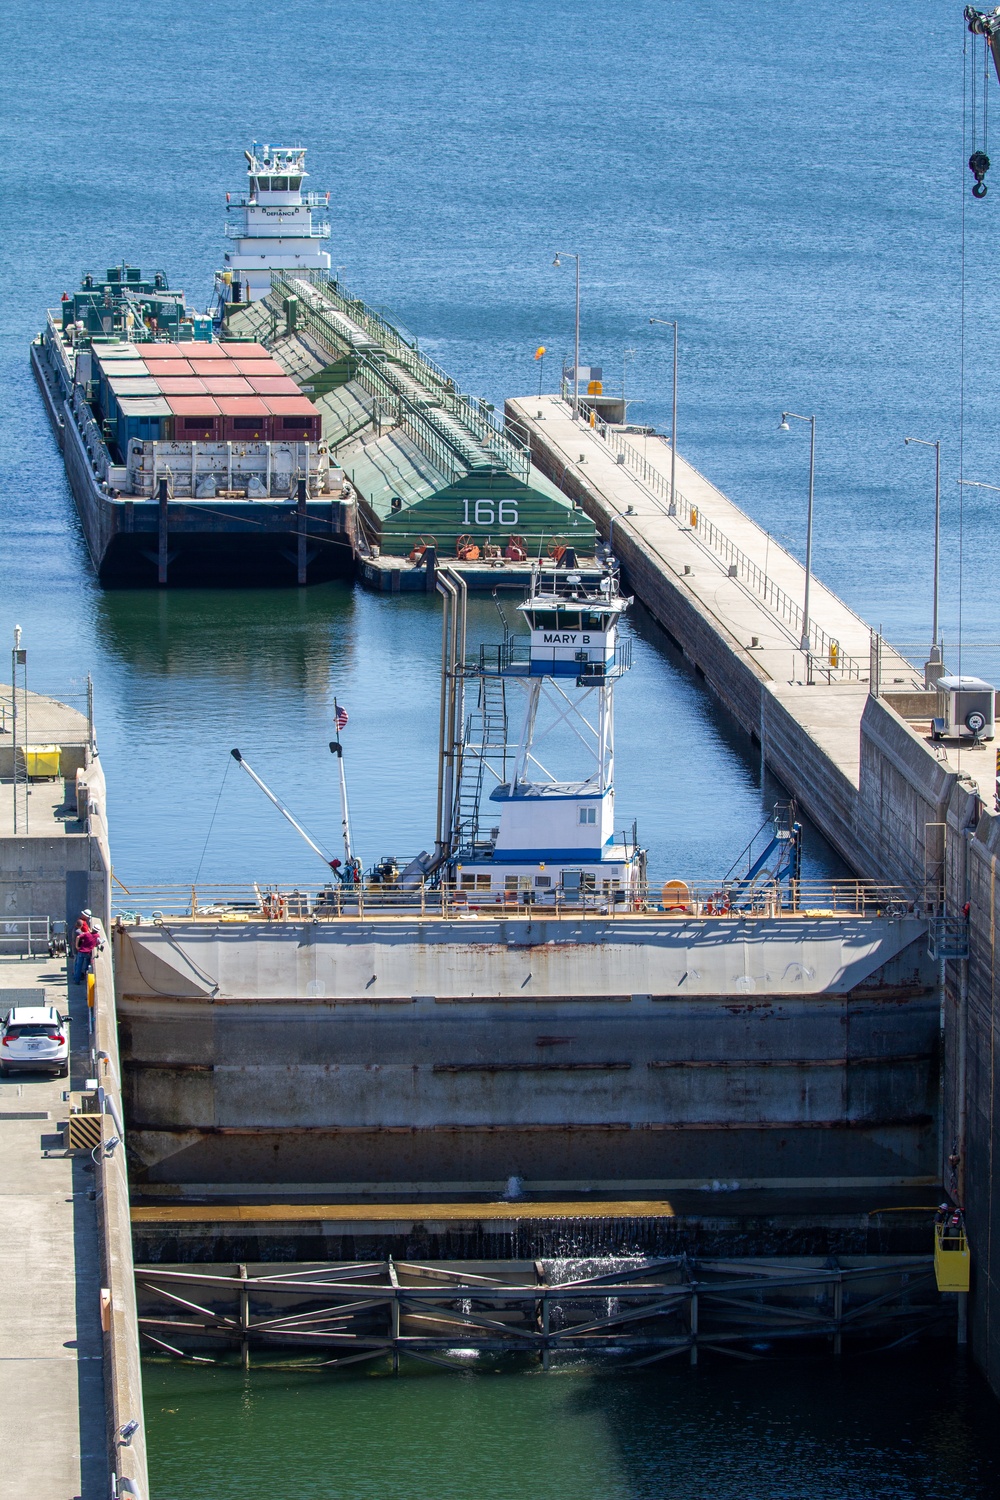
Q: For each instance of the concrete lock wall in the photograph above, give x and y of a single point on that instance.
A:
(246, 1064)
(978, 1173)
(57, 875)
(904, 817)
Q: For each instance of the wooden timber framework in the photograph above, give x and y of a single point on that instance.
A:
(443, 1312)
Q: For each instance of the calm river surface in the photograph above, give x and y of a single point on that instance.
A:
(790, 185)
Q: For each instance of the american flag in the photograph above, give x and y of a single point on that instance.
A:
(341, 718)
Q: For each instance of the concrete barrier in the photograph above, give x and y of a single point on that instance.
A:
(123, 1371)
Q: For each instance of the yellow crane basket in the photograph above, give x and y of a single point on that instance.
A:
(951, 1258)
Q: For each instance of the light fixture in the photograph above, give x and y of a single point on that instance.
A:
(783, 425)
(128, 1432)
(557, 261)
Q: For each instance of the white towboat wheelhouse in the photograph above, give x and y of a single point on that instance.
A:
(273, 225)
(523, 832)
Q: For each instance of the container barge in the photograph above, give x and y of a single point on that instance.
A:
(191, 459)
(289, 435)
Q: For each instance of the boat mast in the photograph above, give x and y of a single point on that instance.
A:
(345, 818)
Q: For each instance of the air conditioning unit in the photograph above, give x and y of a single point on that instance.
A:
(965, 709)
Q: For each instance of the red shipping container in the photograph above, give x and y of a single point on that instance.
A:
(245, 418)
(258, 367)
(211, 369)
(157, 353)
(295, 419)
(199, 350)
(168, 368)
(245, 351)
(273, 385)
(197, 419)
(226, 385)
(181, 385)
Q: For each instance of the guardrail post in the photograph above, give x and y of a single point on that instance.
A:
(300, 526)
(244, 1320)
(161, 556)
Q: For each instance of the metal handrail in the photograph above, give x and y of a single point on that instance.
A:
(373, 379)
(427, 438)
(506, 656)
(701, 899)
(827, 647)
(34, 933)
(313, 232)
(90, 433)
(513, 453)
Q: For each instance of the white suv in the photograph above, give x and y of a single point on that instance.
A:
(33, 1038)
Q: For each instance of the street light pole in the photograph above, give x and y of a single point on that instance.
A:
(805, 644)
(672, 511)
(576, 338)
(936, 445)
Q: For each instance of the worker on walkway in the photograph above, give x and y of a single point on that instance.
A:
(86, 941)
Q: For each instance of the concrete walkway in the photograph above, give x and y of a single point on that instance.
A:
(51, 1357)
(757, 624)
(637, 490)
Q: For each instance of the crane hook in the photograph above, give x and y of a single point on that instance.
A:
(979, 165)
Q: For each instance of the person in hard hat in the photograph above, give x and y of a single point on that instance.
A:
(88, 944)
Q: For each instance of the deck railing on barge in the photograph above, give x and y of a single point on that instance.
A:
(700, 900)
(476, 417)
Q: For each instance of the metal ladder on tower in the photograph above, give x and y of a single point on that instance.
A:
(484, 744)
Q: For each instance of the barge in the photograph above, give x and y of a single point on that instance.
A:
(289, 435)
(191, 460)
(518, 1008)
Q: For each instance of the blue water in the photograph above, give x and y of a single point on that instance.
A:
(787, 182)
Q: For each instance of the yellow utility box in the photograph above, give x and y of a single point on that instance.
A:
(951, 1258)
(41, 762)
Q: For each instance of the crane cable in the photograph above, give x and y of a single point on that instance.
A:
(968, 74)
(979, 161)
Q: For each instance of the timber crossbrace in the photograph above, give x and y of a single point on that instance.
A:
(444, 1313)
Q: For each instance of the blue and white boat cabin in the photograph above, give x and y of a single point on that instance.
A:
(535, 835)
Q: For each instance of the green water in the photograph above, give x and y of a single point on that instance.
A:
(894, 1427)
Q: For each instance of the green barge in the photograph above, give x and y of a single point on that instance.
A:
(429, 466)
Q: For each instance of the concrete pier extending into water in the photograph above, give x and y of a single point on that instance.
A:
(70, 1386)
(845, 727)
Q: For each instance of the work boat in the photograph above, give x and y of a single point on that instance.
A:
(523, 834)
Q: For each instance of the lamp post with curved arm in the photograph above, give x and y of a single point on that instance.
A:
(805, 644)
(576, 339)
(936, 445)
(672, 510)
